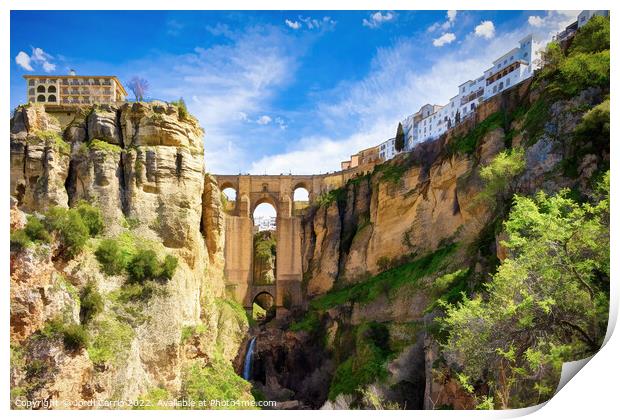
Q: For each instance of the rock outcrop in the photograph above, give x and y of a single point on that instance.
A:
(142, 165)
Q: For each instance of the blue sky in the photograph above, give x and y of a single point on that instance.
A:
(279, 91)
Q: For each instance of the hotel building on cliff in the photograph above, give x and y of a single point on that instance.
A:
(71, 90)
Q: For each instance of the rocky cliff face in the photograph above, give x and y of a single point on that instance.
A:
(417, 205)
(142, 165)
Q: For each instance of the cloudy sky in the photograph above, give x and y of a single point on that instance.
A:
(283, 91)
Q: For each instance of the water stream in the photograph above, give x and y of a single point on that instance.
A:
(247, 363)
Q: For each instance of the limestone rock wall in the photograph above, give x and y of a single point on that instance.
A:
(142, 164)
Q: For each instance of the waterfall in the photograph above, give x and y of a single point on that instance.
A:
(247, 363)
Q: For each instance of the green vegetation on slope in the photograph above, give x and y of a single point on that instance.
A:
(367, 363)
(216, 381)
(71, 228)
(139, 262)
(547, 303)
(387, 281)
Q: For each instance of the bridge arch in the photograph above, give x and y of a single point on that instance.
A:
(263, 306)
(268, 199)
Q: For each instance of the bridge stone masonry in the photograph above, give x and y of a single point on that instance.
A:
(276, 190)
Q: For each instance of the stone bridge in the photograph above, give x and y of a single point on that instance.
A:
(276, 190)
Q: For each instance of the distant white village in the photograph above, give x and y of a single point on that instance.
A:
(431, 121)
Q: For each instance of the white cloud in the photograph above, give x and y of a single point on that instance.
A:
(228, 86)
(536, 21)
(377, 19)
(281, 123)
(325, 23)
(174, 27)
(446, 38)
(263, 120)
(292, 24)
(450, 20)
(451, 15)
(38, 57)
(485, 30)
(48, 67)
(220, 29)
(23, 60)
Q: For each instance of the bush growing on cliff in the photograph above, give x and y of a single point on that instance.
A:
(547, 303)
(182, 108)
(168, 267)
(92, 217)
(34, 231)
(215, 381)
(111, 340)
(143, 265)
(91, 303)
(74, 336)
(111, 257)
(70, 227)
(367, 364)
(500, 175)
(586, 64)
(116, 255)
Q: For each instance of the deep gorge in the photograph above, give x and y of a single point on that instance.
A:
(141, 309)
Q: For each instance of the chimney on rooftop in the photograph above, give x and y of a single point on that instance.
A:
(71, 72)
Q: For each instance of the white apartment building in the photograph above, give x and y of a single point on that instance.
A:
(431, 121)
(387, 150)
(513, 67)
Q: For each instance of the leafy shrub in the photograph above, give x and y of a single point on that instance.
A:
(111, 341)
(111, 257)
(547, 303)
(91, 303)
(34, 231)
(168, 267)
(216, 381)
(181, 108)
(71, 230)
(143, 265)
(595, 125)
(75, 337)
(92, 217)
(367, 364)
(500, 174)
(593, 37)
(19, 240)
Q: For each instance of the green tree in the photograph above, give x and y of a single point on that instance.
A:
(547, 303)
(593, 37)
(399, 142)
(500, 176)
